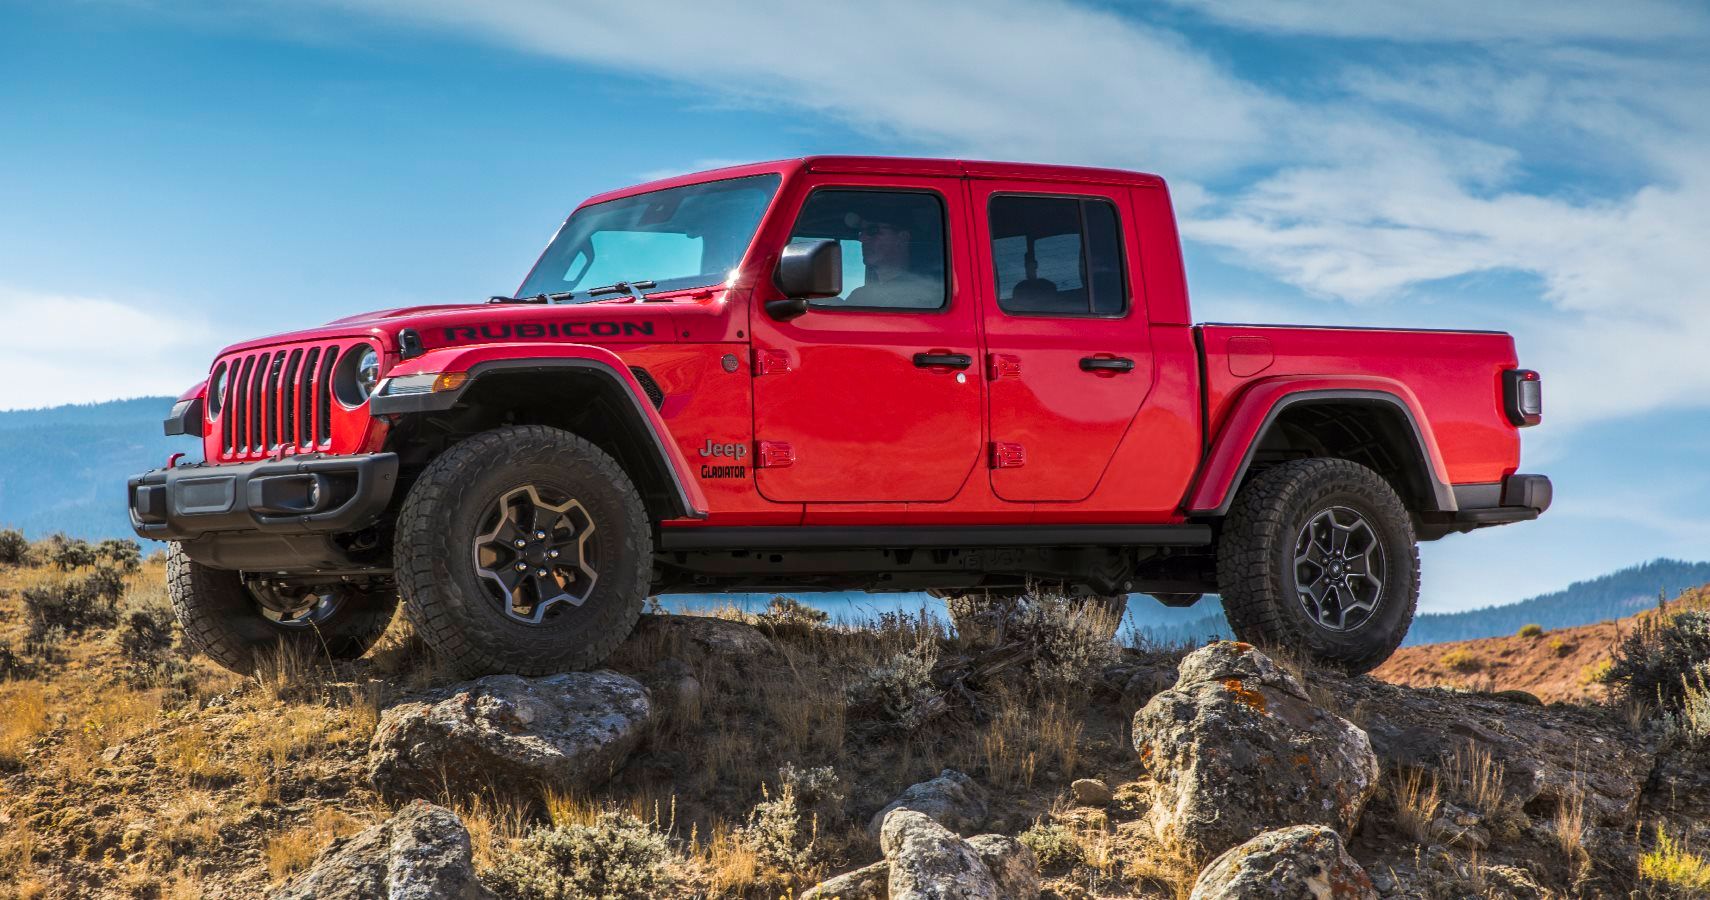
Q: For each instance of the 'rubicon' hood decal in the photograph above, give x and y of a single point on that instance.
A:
(524, 331)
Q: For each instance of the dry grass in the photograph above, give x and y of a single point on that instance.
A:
(1417, 797)
(1465, 662)
(1026, 736)
(23, 716)
(286, 854)
(1475, 778)
(1569, 827)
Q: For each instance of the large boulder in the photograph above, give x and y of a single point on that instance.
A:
(1305, 862)
(509, 734)
(952, 799)
(1014, 865)
(866, 883)
(694, 637)
(422, 853)
(929, 862)
(1238, 748)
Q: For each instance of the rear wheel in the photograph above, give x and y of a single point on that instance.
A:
(523, 549)
(233, 621)
(1319, 556)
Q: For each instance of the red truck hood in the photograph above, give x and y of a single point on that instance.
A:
(616, 321)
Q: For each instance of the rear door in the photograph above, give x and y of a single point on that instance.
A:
(1067, 357)
(873, 396)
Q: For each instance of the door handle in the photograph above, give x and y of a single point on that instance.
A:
(943, 360)
(1106, 364)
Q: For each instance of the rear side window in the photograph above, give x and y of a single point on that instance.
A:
(894, 252)
(1057, 256)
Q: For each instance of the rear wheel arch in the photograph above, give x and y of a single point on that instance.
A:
(587, 398)
(1375, 429)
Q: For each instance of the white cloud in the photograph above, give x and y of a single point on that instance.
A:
(62, 349)
(1035, 79)
(1464, 20)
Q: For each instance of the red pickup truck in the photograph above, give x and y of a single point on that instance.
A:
(831, 373)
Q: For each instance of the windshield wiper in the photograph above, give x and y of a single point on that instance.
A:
(558, 297)
(627, 288)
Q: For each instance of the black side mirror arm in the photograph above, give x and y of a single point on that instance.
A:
(787, 308)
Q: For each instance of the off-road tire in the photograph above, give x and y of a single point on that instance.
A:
(221, 618)
(1256, 569)
(446, 600)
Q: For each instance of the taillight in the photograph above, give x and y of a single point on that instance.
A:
(1523, 396)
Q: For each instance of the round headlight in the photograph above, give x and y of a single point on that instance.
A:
(216, 390)
(358, 374)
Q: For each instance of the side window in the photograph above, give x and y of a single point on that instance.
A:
(1057, 256)
(893, 246)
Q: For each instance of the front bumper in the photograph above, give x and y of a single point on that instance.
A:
(307, 495)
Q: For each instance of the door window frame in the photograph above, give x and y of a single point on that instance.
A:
(1121, 255)
(945, 230)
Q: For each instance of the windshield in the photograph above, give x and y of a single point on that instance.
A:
(682, 237)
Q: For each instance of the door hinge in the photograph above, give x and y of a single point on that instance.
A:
(1008, 456)
(774, 455)
(771, 362)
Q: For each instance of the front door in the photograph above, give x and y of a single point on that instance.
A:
(874, 395)
(1068, 361)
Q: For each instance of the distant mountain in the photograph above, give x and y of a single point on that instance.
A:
(64, 468)
(1613, 596)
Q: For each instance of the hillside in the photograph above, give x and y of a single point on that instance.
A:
(756, 756)
(64, 468)
(1556, 664)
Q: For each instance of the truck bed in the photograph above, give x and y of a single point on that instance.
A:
(1454, 377)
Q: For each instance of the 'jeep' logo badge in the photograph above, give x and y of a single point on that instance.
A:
(734, 451)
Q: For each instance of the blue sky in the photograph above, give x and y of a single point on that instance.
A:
(178, 175)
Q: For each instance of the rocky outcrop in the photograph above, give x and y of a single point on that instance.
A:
(1013, 865)
(422, 853)
(952, 800)
(926, 861)
(509, 734)
(692, 637)
(1238, 748)
(866, 883)
(1543, 754)
(1305, 862)
(929, 862)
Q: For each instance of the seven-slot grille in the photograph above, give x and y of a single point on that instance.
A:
(276, 398)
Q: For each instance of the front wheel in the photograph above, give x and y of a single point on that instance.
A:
(524, 550)
(1319, 556)
(234, 622)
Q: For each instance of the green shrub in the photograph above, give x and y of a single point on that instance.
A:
(122, 554)
(1672, 864)
(1055, 845)
(819, 789)
(782, 840)
(12, 665)
(1463, 661)
(73, 605)
(66, 553)
(618, 857)
(1530, 631)
(900, 689)
(14, 549)
(790, 611)
(144, 626)
(1655, 662)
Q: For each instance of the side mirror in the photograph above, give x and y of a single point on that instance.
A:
(806, 271)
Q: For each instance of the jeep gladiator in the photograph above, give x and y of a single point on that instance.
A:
(830, 373)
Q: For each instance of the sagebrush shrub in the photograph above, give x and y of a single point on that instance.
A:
(780, 836)
(1530, 631)
(73, 605)
(1655, 662)
(122, 554)
(67, 553)
(900, 688)
(1054, 844)
(785, 610)
(1070, 638)
(144, 627)
(618, 857)
(14, 549)
(819, 789)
